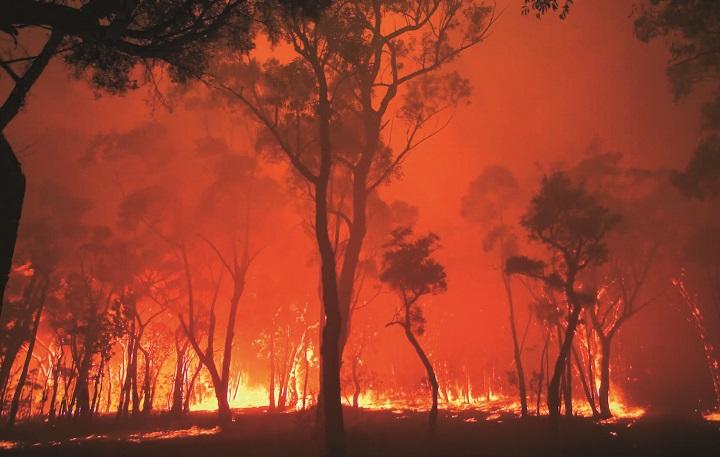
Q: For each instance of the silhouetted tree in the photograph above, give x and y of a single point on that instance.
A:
(486, 201)
(618, 300)
(701, 177)
(351, 65)
(410, 270)
(624, 281)
(688, 28)
(572, 225)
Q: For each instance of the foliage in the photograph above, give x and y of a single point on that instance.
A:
(701, 177)
(408, 265)
(542, 7)
(569, 220)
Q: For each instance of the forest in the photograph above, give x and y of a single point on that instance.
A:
(359, 227)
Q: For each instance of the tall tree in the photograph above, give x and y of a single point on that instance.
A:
(486, 202)
(410, 270)
(352, 67)
(570, 222)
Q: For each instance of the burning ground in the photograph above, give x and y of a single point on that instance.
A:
(481, 430)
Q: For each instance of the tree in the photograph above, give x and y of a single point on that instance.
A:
(486, 202)
(50, 233)
(618, 300)
(105, 40)
(572, 225)
(689, 31)
(92, 314)
(410, 270)
(701, 177)
(352, 65)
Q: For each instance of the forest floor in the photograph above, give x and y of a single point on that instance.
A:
(468, 432)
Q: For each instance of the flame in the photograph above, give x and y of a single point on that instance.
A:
(713, 416)
(171, 434)
(25, 270)
(247, 397)
(497, 406)
(9, 445)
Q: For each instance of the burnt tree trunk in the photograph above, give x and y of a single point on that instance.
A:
(97, 388)
(541, 378)
(271, 386)
(356, 382)
(23, 375)
(568, 386)
(147, 383)
(516, 349)
(604, 391)
(179, 381)
(587, 388)
(82, 392)
(330, 394)
(561, 363)
(306, 364)
(432, 418)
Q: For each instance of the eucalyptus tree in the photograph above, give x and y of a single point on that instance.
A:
(356, 69)
(410, 270)
(573, 226)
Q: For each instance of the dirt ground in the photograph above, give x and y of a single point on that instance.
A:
(370, 433)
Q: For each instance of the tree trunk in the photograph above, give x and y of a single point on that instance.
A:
(516, 349)
(12, 194)
(330, 391)
(82, 393)
(221, 393)
(356, 383)
(56, 380)
(585, 385)
(6, 369)
(561, 363)
(179, 382)
(568, 387)
(147, 384)
(604, 392)
(306, 363)
(108, 400)
(271, 386)
(543, 362)
(26, 366)
(97, 389)
(432, 419)
(191, 386)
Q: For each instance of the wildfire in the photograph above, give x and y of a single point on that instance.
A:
(495, 405)
(170, 434)
(244, 397)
